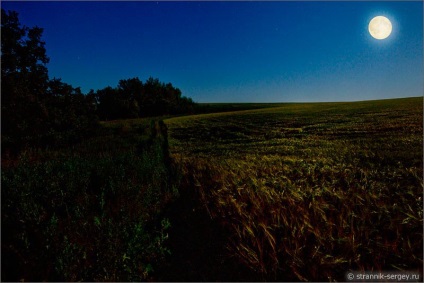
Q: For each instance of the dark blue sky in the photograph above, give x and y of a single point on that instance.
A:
(235, 51)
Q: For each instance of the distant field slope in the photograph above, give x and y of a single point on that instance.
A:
(310, 191)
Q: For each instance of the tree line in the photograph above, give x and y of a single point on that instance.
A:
(133, 99)
(39, 111)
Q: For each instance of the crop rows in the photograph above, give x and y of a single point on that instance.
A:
(310, 191)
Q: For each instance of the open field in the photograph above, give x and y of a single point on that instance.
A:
(291, 192)
(203, 108)
(310, 191)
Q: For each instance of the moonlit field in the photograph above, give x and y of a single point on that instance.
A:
(192, 141)
(309, 191)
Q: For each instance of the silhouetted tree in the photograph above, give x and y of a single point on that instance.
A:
(132, 98)
(130, 92)
(39, 111)
(36, 110)
(71, 114)
(24, 81)
(107, 103)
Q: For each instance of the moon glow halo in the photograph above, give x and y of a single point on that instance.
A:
(380, 27)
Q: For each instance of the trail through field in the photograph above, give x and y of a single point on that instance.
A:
(198, 246)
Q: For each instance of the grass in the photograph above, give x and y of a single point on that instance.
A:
(287, 192)
(203, 108)
(310, 191)
(90, 212)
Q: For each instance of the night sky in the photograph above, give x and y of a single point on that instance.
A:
(235, 51)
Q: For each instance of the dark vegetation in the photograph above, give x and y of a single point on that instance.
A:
(311, 191)
(84, 200)
(294, 192)
(132, 99)
(38, 111)
(89, 212)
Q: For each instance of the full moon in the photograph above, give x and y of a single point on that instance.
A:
(380, 27)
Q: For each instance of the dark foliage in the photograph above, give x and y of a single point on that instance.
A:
(84, 202)
(24, 80)
(132, 99)
(36, 111)
(71, 113)
(92, 212)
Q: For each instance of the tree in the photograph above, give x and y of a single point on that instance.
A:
(24, 79)
(107, 104)
(132, 98)
(36, 111)
(130, 92)
(151, 102)
(71, 114)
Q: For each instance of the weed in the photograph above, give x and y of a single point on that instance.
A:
(91, 212)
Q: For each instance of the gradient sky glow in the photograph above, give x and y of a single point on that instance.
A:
(235, 51)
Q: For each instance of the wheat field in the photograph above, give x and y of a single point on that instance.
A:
(309, 191)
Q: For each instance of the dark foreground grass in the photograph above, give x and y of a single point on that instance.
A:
(93, 212)
(311, 191)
